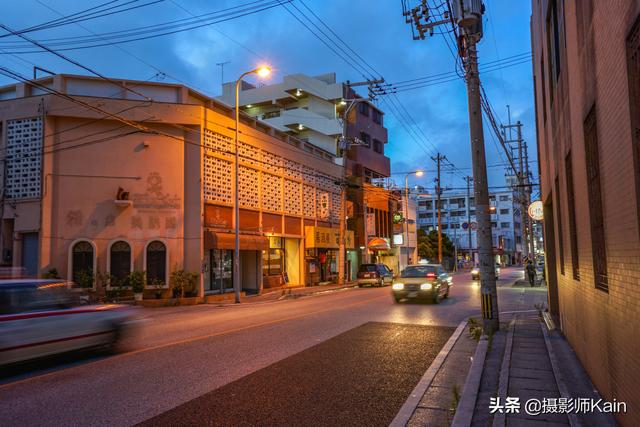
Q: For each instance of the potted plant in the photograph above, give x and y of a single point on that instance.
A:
(136, 280)
(183, 281)
(157, 284)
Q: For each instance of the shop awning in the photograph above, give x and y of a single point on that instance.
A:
(217, 240)
(378, 244)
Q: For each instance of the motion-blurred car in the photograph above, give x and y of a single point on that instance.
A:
(374, 275)
(422, 281)
(41, 318)
(475, 272)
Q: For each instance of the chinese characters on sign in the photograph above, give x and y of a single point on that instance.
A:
(560, 405)
(327, 238)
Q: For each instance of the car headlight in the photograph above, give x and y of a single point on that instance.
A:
(475, 271)
(426, 286)
(398, 286)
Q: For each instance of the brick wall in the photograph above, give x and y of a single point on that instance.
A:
(603, 328)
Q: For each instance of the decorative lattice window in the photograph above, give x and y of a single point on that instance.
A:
(271, 162)
(292, 169)
(250, 155)
(271, 192)
(292, 203)
(309, 200)
(23, 158)
(335, 207)
(249, 180)
(218, 176)
(217, 142)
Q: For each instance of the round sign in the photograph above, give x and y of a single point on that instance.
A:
(474, 225)
(465, 225)
(536, 211)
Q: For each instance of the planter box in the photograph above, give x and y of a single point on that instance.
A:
(207, 299)
(169, 302)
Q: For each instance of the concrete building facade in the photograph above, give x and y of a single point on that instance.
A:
(100, 178)
(586, 59)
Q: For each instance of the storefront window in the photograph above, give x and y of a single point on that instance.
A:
(273, 258)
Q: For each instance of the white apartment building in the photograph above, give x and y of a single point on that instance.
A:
(301, 105)
(458, 211)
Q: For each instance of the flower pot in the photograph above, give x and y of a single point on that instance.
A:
(138, 296)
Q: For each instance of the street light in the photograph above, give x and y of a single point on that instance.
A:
(417, 173)
(262, 71)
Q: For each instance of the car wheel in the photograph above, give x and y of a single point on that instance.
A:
(436, 298)
(396, 299)
(447, 294)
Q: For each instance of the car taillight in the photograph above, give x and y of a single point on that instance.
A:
(431, 275)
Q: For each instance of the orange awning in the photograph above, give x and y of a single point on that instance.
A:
(378, 244)
(217, 240)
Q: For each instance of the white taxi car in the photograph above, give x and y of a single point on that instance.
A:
(45, 317)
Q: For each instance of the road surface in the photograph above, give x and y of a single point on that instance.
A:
(320, 360)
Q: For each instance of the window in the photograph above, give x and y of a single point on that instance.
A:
(504, 198)
(120, 262)
(377, 116)
(445, 226)
(633, 62)
(560, 231)
(273, 258)
(504, 211)
(366, 139)
(422, 203)
(81, 262)
(504, 225)
(377, 146)
(429, 204)
(423, 215)
(554, 34)
(594, 190)
(573, 234)
(156, 262)
(363, 108)
(494, 224)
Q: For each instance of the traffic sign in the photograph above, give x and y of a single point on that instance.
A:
(465, 225)
(474, 225)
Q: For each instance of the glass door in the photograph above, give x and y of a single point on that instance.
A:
(221, 277)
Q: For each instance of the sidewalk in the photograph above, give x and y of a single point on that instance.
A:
(269, 295)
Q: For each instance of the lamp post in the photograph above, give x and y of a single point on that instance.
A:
(262, 72)
(417, 173)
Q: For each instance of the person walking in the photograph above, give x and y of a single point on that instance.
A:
(531, 273)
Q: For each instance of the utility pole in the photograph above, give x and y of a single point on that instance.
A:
(466, 16)
(221, 65)
(439, 159)
(469, 179)
(527, 180)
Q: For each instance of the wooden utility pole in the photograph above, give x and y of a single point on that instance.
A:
(469, 179)
(439, 159)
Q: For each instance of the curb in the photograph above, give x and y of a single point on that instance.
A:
(408, 408)
(293, 295)
(503, 385)
(467, 404)
(562, 387)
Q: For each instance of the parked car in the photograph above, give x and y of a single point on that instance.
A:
(45, 317)
(374, 275)
(422, 281)
(475, 272)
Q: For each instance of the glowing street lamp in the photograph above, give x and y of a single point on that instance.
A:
(262, 72)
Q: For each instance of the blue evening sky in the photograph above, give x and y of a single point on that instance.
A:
(375, 29)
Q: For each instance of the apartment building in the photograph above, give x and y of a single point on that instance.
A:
(458, 221)
(99, 179)
(586, 62)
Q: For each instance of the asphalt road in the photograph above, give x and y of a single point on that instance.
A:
(182, 354)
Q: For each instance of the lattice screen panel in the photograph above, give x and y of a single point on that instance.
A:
(271, 162)
(335, 207)
(292, 203)
(250, 155)
(293, 169)
(248, 186)
(217, 142)
(23, 158)
(323, 204)
(309, 197)
(271, 192)
(218, 175)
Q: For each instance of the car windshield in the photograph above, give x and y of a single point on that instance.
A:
(368, 268)
(48, 296)
(419, 271)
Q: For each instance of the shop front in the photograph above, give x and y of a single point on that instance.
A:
(281, 262)
(322, 248)
(218, 262)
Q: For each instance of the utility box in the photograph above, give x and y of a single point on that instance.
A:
(468, 15)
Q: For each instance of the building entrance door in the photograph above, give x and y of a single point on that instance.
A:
(221, 277)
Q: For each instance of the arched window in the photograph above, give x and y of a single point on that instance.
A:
(156, 262)
(82, 263)
(120, 260)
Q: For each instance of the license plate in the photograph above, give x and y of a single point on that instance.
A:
(412, 294)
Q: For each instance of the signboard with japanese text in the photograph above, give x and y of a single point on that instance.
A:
(536, 210)
(326, 238)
